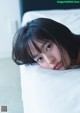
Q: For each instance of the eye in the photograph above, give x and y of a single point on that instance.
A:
(39, 59)
(48, 46)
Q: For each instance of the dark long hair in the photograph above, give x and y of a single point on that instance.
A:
(43, 29)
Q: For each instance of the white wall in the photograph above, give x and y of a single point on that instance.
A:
(9, 22)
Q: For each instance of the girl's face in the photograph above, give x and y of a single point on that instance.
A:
(49, 56)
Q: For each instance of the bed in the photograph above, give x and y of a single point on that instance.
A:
(48, 91)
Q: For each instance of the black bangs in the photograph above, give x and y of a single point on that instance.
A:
(31, 44)
(40, 33)
(34, 35)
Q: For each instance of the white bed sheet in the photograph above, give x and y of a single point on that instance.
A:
(49, 91)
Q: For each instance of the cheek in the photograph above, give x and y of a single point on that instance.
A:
(44, 65)
(56, 52)
(67, 59)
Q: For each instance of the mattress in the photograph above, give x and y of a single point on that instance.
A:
(49, 91)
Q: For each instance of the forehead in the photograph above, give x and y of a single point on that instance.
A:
(36, 45)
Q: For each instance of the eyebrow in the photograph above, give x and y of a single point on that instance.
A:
(42, 46)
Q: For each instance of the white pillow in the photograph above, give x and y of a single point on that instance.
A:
(50, 91)
(68, 17)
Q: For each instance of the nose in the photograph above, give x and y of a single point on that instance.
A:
(49, 59)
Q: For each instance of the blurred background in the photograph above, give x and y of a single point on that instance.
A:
(10, 84)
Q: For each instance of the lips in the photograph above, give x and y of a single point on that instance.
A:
(58, 66)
